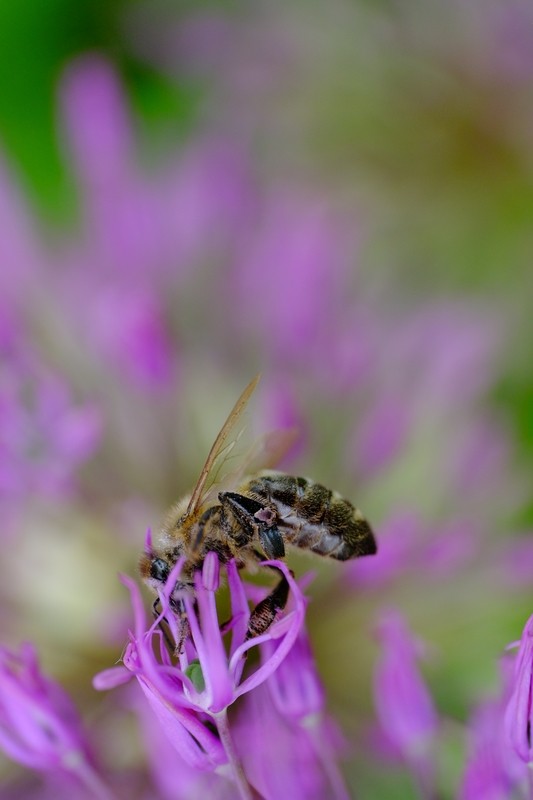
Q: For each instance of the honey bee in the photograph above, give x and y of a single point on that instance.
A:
(251, 515)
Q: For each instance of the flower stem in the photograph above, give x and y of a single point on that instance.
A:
(246, 792)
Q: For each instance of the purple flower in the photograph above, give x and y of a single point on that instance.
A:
(44, 435)
(403, 703)
(511, 28)
(406, 544)
(383, 434)
(516, 556)
(109, 277)
(519, 712)
(297, 248)
(299, 699)
(208, 678)
(39, 726)
(296, 687)
(129, 331)
(280, 757)
(399, 542)
(493, 769)
(174, 777)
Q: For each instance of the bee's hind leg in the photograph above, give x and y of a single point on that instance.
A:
(265, 612)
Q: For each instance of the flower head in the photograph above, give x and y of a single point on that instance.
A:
(190, 692)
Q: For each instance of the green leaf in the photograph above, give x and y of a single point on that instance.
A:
(195, 674)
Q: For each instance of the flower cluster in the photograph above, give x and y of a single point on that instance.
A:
(499, 750)
(189, 692)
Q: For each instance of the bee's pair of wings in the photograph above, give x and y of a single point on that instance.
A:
(266, 453)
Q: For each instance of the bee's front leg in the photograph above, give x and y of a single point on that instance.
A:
(156, 611)
(183, 631)
(254, 519)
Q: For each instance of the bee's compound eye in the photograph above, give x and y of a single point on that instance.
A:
(159, 569)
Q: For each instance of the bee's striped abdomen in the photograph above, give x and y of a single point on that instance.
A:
(315, 518)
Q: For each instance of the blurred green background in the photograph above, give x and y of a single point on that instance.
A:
(39, 40)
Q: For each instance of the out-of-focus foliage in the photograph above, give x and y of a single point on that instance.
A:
(38, 41)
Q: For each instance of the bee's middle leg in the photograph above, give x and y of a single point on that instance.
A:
(254, 519)
(257, 521)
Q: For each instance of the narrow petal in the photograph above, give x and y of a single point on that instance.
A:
(519, 712)
(195, 743)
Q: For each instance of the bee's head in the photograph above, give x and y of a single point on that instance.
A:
(154, 569)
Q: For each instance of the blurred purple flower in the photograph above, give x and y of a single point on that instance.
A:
(147, 227)
(281, 758)
(299, 698)
(519, 711)
(39, 726)
(97, 122)
(452, 547)
(399, 542)
(383, 434)
(108, 278)
(294, 262)
(516, 557)
(493, 769)
(141, 233)
(406, 544)
(128, 328)
(20, 248)
(512, 31)
(173, 776)
(403, 703)
(44, 436)
(296, 687)
(435, 357)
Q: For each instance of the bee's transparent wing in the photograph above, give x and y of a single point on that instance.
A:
(221, 449)
(266, 453)
(268, 450)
